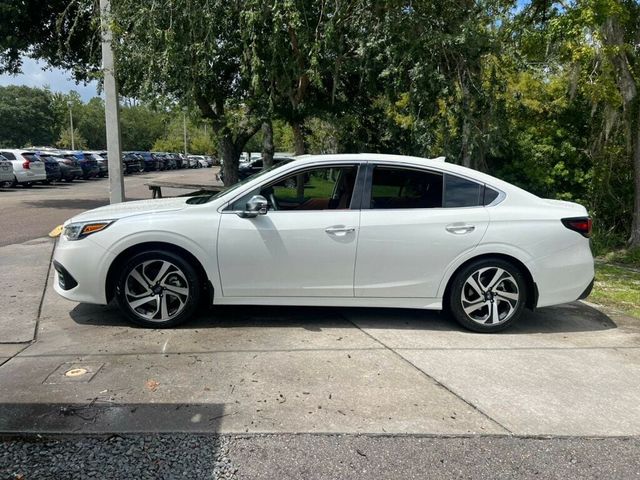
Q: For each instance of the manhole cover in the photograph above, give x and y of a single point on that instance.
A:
(75, 372)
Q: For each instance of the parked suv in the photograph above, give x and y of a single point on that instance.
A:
(52, 168)
(6, 170)
(27, 167)
(133, 162)
(101, 159)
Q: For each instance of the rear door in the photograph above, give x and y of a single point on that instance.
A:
(36, 165)
(413, 224)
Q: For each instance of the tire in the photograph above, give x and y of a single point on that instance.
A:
(487, 295)
(168, 304)
(27, 184)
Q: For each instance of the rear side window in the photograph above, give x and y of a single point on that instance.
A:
(405, 188)
(8, 155)
(460, 192)
(489, 195)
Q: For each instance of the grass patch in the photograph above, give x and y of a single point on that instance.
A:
(618, 288)
(630, 257)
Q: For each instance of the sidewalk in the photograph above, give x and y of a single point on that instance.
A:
(562, 371)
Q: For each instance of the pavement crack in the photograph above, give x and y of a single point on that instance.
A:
(425, 374)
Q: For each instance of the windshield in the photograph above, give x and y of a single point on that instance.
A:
(213, 196)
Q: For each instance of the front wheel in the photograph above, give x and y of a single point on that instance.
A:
(158, 289)
(488, 295)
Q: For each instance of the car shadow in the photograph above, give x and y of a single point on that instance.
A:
(573, 317)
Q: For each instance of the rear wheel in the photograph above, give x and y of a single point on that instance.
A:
(488, 295)
(158, 289)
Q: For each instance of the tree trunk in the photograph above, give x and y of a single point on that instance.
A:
(634, 239)
(298, 141)
(465, 137)
(298, 137)
(231, 158)
(267, 144)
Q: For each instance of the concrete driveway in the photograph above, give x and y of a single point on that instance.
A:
(562, 371)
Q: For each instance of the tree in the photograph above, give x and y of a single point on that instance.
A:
(195, 53)
(64, 141)
(26, 116)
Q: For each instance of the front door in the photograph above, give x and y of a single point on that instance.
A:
(305, 246)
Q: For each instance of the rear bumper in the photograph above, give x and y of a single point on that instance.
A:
(27, 176)
(587, 290)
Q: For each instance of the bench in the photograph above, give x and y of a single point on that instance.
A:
(156, 187)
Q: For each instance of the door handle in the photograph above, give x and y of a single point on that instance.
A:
(460, 229)
(339, 230)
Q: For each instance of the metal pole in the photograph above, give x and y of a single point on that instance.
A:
(184, 131)
(73, 143)
(111, 108)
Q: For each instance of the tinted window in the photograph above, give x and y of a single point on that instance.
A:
(459, 192)
(9, 155)
(405, 188)
(489, 195)
(31, 157)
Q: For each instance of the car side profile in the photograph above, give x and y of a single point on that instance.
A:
(334, 230)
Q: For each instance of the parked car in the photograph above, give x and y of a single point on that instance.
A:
(27, 167)
(193, 161)
(6, 170)
(180, 163)
(69, 166)
(88, 164)
(133, 162)
(52, 168)
(245, 170)
(103, 164)
(428, 235)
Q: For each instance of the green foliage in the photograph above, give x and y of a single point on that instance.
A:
(26, 117)
(79, 142)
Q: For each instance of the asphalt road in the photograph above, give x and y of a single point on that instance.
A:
(29, 213)
(313, 457)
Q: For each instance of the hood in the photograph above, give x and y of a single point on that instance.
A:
(129, 209)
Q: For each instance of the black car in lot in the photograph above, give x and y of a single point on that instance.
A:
(52, 167)
(133, 162)
(103, 164)
(69, 166)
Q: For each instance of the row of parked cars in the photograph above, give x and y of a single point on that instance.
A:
(45, 165)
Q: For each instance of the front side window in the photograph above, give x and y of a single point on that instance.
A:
(394, 188)
(326, 188)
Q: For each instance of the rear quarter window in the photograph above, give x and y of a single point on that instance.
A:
(8, 155)
(460, 192)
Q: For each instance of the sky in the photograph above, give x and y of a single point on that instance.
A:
(34, 75)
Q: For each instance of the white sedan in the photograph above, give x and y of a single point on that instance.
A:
(360, 230)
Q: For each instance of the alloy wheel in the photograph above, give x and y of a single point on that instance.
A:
(490, 296)
(156, 290)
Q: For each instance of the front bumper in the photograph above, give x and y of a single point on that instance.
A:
(81, 268)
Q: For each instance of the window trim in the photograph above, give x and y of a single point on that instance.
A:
(356, 197)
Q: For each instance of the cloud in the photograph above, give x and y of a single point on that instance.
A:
(34, 74)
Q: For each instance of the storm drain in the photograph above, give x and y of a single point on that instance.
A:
(73, 373)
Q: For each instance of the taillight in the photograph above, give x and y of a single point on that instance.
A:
(582, 225)
(26, 165)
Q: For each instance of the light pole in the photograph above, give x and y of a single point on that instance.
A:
(111, 108)
(184, 130)
(73, 143)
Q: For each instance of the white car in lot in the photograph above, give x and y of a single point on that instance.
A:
(27, 167)
(6, 170)
(337, 230)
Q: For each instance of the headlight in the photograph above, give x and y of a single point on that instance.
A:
(78, 230)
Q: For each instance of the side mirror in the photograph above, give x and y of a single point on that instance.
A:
(257, 205)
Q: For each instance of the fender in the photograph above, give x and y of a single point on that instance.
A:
(484, 249)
